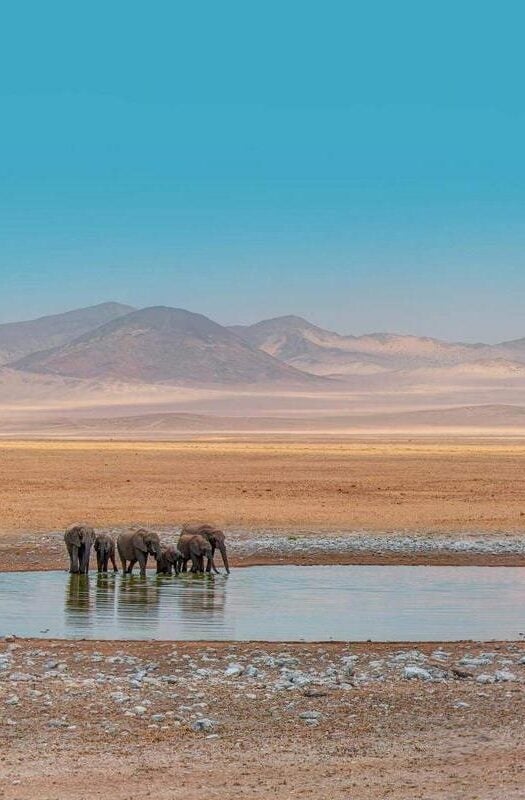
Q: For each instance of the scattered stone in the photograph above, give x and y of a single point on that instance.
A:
(234, 670)
(14, 700)
(311, 715)
(204, 724)
(463, 674)
(20, 677)
(484, 678)
(413, 672)
(504, 676)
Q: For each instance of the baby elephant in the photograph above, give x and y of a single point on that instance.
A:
(78, 539)
(169, 561)
(105, 550)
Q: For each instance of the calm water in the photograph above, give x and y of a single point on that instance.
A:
(281, 603)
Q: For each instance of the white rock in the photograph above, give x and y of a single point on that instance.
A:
(504, 676)
(20, 676)
(139, 710)
(204, 724)
(484, 678)
(311, 715)
(233, 670)
(13, 700)
(411, 672)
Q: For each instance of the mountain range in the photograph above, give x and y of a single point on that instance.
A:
(115, 342)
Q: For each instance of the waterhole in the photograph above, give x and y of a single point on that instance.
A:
(271, 603)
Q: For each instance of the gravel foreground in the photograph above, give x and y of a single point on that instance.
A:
(170, 720)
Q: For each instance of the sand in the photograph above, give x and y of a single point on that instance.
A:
(375, 485)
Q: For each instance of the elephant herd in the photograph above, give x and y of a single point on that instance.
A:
(196, 543)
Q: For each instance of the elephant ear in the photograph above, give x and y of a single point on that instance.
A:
(139, 542)
(73, 536)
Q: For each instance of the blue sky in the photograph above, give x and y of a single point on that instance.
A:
(360, 164)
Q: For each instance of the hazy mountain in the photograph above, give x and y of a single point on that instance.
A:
(162, 344)
(308, 347)
(18, 339)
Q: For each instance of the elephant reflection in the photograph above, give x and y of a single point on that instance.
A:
(201, 595)
(77, 598)
(137, 602)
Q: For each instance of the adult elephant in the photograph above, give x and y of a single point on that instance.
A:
(105, 549)
(215, 537)
(135, 546)
(79, 539)
(196, 547)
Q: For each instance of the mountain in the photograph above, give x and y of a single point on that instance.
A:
(312, 349)
(18, 339)
(161, 344)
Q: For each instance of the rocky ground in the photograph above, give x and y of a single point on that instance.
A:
(247, 548)
(132, 720)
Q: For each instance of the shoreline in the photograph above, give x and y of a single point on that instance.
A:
(46, 551)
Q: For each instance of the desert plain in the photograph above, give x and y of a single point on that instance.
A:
(264, 720)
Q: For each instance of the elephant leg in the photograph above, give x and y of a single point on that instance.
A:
(112, 557)
(131, 565)
(84, 565)
(73, 558)
(210, 563)
(143, 560)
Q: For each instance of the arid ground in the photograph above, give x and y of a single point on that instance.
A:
(68, 730)
(379, 484)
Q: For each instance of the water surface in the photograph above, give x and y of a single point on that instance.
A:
(271, 603)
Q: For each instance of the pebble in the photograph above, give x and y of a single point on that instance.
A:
(411, 672)
(20, 676)
(204, 724)
(504, 676)
(234, 670)
(484, 678)
(310, 715)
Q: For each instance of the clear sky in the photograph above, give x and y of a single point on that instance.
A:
(358, 163)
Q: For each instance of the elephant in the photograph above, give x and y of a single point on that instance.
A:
(215, 538)
(79, 539)
(169, 560)
(136, 545)
(196, 547)
(105, 550)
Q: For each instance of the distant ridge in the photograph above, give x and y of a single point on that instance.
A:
(18, 339)
(306, 346)
(162, 344)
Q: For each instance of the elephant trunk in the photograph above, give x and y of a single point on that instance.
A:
(222, 548)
